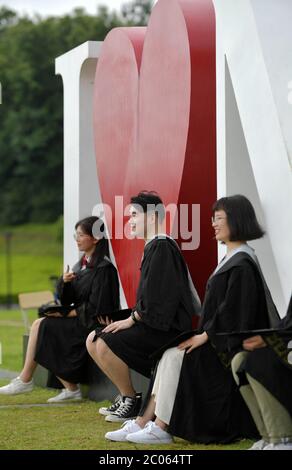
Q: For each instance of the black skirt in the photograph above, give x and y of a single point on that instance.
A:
(134, 345)
(62, 350)
(208, 407)
(267, 368)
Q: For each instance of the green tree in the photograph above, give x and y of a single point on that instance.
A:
(137, 12)
(31, 116)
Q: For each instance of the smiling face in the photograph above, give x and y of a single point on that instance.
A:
(137, 222)
(220, 225)
(85, 242)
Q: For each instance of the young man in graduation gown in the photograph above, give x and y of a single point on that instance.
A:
(264, 375)
(166, 302)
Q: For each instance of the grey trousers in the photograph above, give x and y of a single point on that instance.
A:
(272, 420)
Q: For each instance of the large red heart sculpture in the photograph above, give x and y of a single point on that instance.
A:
(155, 123)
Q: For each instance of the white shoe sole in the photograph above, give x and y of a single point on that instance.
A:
(116, 439)
(104, 412)
(16, 393)
(157, 442)
(50, 400)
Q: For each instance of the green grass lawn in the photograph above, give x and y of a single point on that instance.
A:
(36, 254)
(73, 426)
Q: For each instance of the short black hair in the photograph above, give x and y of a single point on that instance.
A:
(149, 201)
(241, 218)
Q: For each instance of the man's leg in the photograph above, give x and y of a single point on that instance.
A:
(115, 369)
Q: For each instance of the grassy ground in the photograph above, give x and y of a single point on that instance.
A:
(36, 254)
(72, 426)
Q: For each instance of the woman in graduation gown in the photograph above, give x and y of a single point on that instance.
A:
(207, 406)
(59, 342)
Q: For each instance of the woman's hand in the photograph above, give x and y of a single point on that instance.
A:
(193, 342)
(104, 321)
(67, 276)
(119, 325)
(255, 342)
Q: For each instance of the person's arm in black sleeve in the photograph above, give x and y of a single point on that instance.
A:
(238, 311)
(104, 295)
(159, 300)
(65, 292)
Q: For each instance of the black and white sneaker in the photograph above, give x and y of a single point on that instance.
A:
(105, 411)
(128, 409)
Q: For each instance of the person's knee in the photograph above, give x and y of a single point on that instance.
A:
(90, 346)
(102, 351)
(172, 358)
(98, 350)
(236, 363)
(35, 325)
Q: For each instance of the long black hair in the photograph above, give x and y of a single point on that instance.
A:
(241, 218)
(102, 247)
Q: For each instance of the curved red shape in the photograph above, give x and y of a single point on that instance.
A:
(155, 123)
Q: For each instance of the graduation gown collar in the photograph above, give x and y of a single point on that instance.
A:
(162, 236)
(235, 260)
(240, 258)
(77, 267)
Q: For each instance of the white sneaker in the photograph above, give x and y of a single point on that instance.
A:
(279, 446)
(259, 445)
(16, 387)
(151, 434)
(129, 426)
(66, 395)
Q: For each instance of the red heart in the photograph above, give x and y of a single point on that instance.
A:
(154, 121)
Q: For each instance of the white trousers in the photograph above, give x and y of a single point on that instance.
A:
(166, 382)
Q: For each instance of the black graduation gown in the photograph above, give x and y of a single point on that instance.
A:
(208, 406)
(61, 341)
(270, 366)
(164, 302)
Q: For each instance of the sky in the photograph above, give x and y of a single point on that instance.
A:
(59, 7)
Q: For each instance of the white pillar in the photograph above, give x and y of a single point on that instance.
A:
(253, 155)
(81, 190)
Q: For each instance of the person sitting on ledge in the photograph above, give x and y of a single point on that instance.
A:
(263, 373)
(58, 342)
(194, 395)
(166, 303)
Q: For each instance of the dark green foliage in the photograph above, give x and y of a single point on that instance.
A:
(31, 114)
